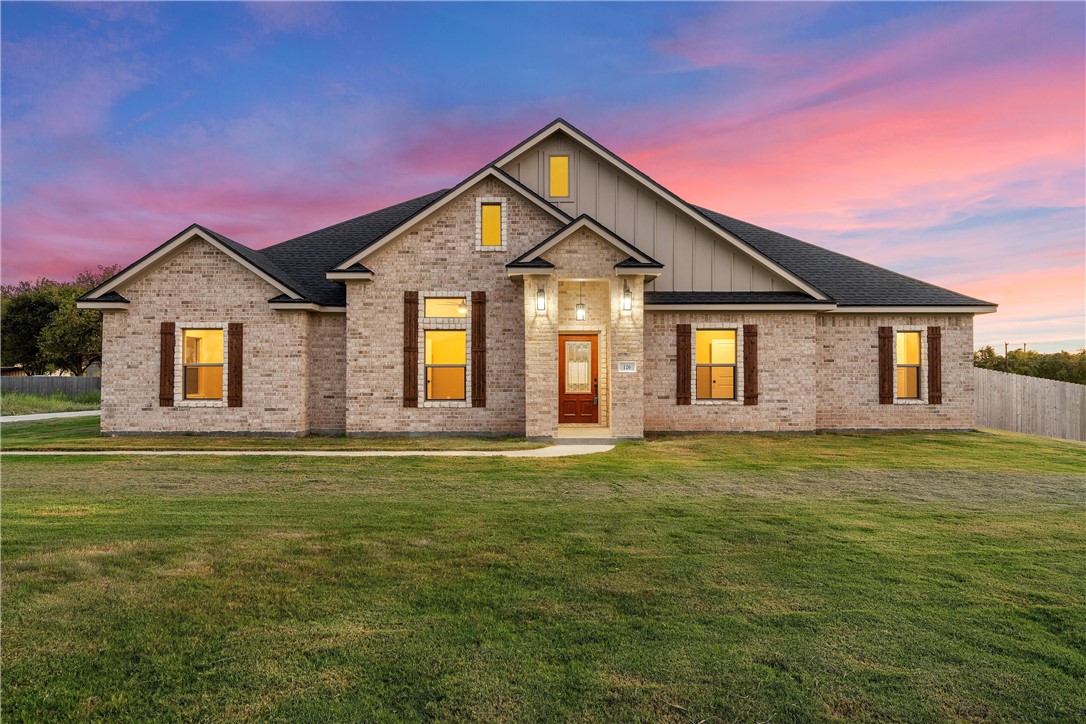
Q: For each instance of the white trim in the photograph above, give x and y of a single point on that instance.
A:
(675, 200)
(740, 307)
(101, 305)
(533, 272)
(488, 172)
(628, 272)
(305, 307)
(338, 275)
(917, 310)
(170, 248)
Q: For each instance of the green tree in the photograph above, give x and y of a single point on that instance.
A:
(42, 329)
(1063, 366)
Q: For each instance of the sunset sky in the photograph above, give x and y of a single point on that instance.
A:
(944, 141)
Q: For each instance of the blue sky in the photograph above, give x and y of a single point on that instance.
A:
(945, 141)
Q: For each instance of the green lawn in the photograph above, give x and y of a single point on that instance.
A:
(750, 577)
(82, 433)
(19, 403)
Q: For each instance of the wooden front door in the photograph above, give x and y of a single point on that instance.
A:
(578, 378)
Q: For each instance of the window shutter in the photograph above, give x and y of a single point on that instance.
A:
(935, 366)
(750, 364)
(165, 365)
(478, 349)
(682, 364)
(234, 373)
(410, 349)
(886, 365)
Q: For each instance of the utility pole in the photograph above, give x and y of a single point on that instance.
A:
(1006, 357)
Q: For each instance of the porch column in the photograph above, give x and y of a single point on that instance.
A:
(540, 357)
(627, 349)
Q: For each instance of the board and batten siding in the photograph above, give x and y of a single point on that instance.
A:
(694, 258)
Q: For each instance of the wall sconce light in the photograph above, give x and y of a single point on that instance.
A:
(463, 307)
(627, 297)
(580, 306)
(541, 300)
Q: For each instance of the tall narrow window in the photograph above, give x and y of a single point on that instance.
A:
(446, 364)
(492, 225)
(715, 361)
(202, 363)
(908, 365)
(559, 176)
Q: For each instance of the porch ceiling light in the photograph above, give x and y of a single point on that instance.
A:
(627, 297)
(580, 306)
(541, 300)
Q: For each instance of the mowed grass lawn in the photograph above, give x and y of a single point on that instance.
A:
(749, 577)
(21, 403)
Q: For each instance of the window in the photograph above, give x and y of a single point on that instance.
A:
(908, 365)
(445, 307)
(559, 176)
(446, 364)
(202, 364)
(492, 225)
(715, 361)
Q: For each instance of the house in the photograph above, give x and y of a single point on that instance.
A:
(556, 291)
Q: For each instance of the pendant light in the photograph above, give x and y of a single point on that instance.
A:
(580, 306)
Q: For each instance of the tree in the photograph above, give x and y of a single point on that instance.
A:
(27, 309)
(41, 327)
(1063, 366)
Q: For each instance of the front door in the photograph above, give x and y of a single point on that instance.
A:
(578, 378)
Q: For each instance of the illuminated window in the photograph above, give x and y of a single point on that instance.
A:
(445, 307)
(908, 365)
(559, 176)
(715, 361)
(446, 364)
(492, 224)
(202, 364)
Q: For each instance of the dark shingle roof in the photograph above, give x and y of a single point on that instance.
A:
(848, 281)
(311, 255)
(730, 298)
(257, 259)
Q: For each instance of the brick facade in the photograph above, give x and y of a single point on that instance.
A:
(327, 372)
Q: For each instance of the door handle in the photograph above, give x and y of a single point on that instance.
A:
(596, 391)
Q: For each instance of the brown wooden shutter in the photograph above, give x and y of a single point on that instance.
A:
(165, 364)
(478, 349)
(886, 365)
(235, 374)
(935, 366)
(410, 349)
(750, 364)
(682, 364)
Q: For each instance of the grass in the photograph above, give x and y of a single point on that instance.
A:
(20, 403)
(82, 433)
(748, 577)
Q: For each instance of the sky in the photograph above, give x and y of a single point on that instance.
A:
(943, 141)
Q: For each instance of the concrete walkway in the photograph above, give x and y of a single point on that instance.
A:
(49, 416)
(552, 451)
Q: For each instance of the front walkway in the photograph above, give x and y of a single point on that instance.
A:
(48, 416)
(553, 451)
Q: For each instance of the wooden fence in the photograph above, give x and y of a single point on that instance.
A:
(1030, 404)
(47, 385)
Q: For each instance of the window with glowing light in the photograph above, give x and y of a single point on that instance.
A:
(715, 364)
(445, 307)
(558, 174)
(446, 364)
(202, 364)
(908, 365)
(492, 224)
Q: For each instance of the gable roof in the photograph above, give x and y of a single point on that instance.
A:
(829, 276)
(560, 125)
(311, 255)
(490, 171)
(253, 260)
(533, 258)
(848, 281)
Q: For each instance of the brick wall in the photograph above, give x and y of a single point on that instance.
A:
(327, 372)
(440, 255)
(202, 287)
(848, 393)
